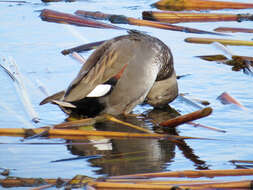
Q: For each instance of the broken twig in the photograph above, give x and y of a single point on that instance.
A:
(177, 17)
(121, 19)
(225, 98)
(177, 5)
(59, 17)
(187, 117)
(81, 48)
(222, 41)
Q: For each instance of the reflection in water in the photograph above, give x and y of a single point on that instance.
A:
(129, 156)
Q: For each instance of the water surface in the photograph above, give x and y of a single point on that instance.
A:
(36, 47)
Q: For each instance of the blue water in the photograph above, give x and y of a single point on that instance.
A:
(36, 47)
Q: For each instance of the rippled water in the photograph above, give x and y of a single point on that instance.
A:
(36, 47)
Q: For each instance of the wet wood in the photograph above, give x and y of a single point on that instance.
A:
(115, 120)
(166, 26)
(119, 186)
(121, 19)
(206, 127)
(48, 1)
(66, 133)
(82, 48)
(159, 182)
(122, 183)
(14, 2)
(177, 5)
(98, 119)
(75, 124)
(242, 161)
(190, 174)
(225, 98)
(93, 14)
(213, 57)
(237, 62)
(222, 41)
(42, 187)
(26, 182)
(59, 17)
(223, 185)
(233, 30)
(176, 17)
(187, 117)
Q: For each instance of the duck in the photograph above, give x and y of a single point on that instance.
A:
(121, 73)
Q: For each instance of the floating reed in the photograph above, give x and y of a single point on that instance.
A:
(177, 5)
(159, 182)
(218, 57)
(224, 58)
(216, 185)
(92, 121)
(121, 19)
(12, 70)
(59, 17)
(67, 133)
(176, 17)
(233, 30)
(242, 161)
(169, 123)
(206, 127)
(187, 117)
(27, 182)
(225, 98)
(81, 48)
(190, 174)
(82, 181)
(75, 124)
(14, 2)
(222, 41)
(94, 14)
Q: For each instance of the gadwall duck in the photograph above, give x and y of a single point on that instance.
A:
(118, 75)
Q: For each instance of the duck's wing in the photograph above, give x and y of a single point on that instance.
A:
(106, 62)
(56, 96)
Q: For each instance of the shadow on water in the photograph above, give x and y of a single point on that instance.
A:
(129, 156)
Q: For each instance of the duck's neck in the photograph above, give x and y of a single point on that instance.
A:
(163, 91)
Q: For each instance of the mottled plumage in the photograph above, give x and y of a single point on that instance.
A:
(138, 66)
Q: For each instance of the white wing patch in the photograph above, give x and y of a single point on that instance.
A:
(100, 90)
(64, 104)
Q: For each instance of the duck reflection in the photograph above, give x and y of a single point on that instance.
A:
(129, 156)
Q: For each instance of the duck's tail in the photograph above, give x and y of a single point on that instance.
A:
(57, 96)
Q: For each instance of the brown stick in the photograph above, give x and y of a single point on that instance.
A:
(160, 182)
(43, 187)
(74, 124)
(231, 29)
(206, 127)
(242, 161)
(222, 41)
(187, 117)
(176, 17)
(81, 48)
(94, 15)
(59, 17)
(121, 19)
(26, 182)
(190, 174)
(223, 185)
(92, 121)
(115, 120)
(14, 2)
(166, 26)
(62, 133)
(200, 5)
(225, 98)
